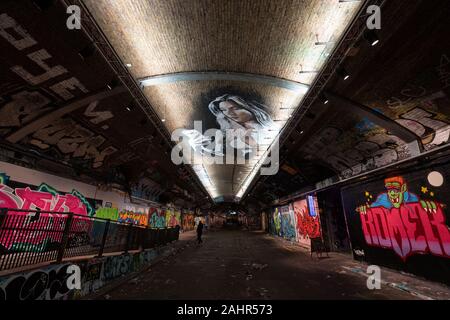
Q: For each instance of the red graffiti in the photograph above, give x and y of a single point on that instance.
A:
(306, 225)
(407, 230)
(188, 222)
(28, 230)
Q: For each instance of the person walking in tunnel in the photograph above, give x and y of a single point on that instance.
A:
(199, 232)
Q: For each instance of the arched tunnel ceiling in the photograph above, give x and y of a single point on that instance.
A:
(57, 113)
(251, 40)
(405, 79)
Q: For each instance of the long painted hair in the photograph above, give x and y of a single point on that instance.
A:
(256, 109)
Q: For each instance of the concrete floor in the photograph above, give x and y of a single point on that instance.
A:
(233, 264)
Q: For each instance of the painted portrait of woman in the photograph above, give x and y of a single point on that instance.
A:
(247, 120)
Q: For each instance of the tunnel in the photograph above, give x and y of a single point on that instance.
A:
(221, 150)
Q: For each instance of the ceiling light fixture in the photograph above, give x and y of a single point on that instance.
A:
(371, 37)
(343, 73)
(112, 84)
(324, 99)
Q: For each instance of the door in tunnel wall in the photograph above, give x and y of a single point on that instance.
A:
(334, 228)
(402, 221)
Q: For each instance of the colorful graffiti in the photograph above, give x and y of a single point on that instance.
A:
(308, 226)
(48, 226)
(157, 218)
(275, 222)
(287, 223)
(50, 283)
(44, 198)
(399, 220)
(137, 218)
(173, 217)
(107, 213)
(187, 221)
(298, 221)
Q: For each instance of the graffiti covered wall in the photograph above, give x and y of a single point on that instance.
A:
(137, 218)
(287, 223)
(173, 217)
(157, 218)
(187, 221)
(307, 222)
(107, 213)
(50, 282)
(44, 198)
(298, 221)
(402, 222)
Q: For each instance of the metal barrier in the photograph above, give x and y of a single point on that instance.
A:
(29, 237)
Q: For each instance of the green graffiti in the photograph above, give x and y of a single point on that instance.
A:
(90, 210)
(277, 221)
(107, 213)
(46, 188)
(4, 179)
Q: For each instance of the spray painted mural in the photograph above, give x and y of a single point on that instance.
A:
(50, 282)
(136, 218)
(44, 198)
(402, 221)
(287, 223)
(275, 222)
(107, 213)
(173, 217)
(307, 220)
(298, 221)
(62, 137)
(157, 218)
(187, 221)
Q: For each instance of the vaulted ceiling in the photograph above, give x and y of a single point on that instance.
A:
(99, 104)
(188, 54)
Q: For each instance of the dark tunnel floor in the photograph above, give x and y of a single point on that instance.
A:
(231, 265)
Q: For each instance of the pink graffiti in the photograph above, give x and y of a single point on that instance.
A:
(407, 230)
(22, 227)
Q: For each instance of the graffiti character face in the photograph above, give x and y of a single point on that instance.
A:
(395, 191)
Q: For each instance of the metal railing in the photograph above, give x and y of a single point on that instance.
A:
(29, 237)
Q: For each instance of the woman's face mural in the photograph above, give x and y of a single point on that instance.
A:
(234, 112)
(242, 124)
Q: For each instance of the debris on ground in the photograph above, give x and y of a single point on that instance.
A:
(134, 281)
(258, 266)
(263, 292)
(107, 297)
(170, 281)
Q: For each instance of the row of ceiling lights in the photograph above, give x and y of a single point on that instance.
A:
(371, 37)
